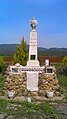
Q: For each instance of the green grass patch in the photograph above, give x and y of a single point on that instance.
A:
(62, 80)
(1, 84)
(66, 96)
(27, 109)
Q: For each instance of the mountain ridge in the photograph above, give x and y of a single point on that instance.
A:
(9, 49)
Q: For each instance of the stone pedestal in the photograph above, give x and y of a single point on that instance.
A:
(33, 50)
(32, 81)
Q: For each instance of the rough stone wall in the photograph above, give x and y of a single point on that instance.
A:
(18, 84)
(48, 82)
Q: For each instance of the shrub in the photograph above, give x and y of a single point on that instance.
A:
(62, 70)
(64, 61)
(2, 65)
(21, 54)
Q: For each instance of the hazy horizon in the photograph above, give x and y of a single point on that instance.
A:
(37, 46)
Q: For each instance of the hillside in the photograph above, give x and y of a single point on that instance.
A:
(9, 49)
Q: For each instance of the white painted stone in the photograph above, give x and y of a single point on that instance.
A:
(50, 94)
(33, 45)
(32, 76)
(32, 81)
(11, 94)
(17, 68)
(33, 50)
(47, 62)
(33, 61)
(29, 99)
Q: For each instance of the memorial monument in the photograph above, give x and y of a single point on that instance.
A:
(32, 78)
(33, 62)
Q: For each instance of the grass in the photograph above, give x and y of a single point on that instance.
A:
(50, 111)
(1, 84)
(27, 109)
(63, 83)
(62, 80)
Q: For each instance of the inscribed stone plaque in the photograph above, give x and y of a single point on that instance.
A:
(15, 70)
(33, 38)
(32, 81)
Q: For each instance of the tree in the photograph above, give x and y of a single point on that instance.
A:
(21, 54)
(64, 61)
(2, 65)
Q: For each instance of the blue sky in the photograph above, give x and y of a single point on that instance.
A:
(15, 16)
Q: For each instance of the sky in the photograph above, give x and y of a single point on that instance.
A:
(15, 16)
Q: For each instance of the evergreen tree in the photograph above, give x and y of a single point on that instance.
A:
(64, 61)
(2, 65)
(21, 54)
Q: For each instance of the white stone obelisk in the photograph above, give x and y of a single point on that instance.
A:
(33, 61)
(32, 76)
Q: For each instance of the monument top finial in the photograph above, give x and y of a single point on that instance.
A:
(33, 23)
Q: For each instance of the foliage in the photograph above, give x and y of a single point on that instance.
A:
(62, 75)
(27, 109)
(21, 54)
(66, 96)
(64, 61)
(62, 80)
(62, 70)
(2, 65)
(1, 85)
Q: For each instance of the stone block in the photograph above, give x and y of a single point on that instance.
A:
(32, 81)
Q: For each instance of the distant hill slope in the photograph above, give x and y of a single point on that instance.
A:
(9, 49)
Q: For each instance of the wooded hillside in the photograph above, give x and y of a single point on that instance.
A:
(9, 49)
